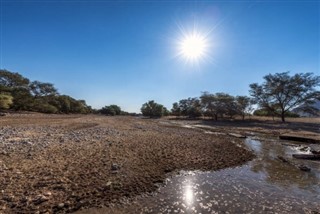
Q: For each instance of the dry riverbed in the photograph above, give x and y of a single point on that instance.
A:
(54, 163)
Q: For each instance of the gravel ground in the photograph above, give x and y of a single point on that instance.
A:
(59, 164)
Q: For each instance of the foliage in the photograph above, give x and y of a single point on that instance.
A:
(111, 110)
(165, 111)
(265, 112)
(219, 104)
(38, 96)
(190, 107)
(244, 104)
(152, 109)
(176, 111)
(5, 101)
(12, 80)
(40, 89)
(280, 92)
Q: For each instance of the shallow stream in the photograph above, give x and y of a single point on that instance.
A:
(264, 185)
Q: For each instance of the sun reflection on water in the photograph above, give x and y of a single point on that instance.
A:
(189, 193)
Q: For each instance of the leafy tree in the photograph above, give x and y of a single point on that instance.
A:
(11, 80)
(280, 92)
(152, 109)
(18, 87)
(5, 101)
(116, 108)
(244, 104)
(218, 104)
(44, 107)
(38, 96)
(209, 103)
(111, 110)
(226, 105)
(22, 99)
(165, 111)
(107, 110)
(40, 89)
(190, 107)
(176, 111)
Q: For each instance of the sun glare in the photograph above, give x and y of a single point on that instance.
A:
(193, 46)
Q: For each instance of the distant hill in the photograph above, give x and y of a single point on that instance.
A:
(303, 111)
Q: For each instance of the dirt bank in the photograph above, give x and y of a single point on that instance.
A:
(52, 163)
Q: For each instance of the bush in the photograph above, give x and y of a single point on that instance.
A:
(153, 109)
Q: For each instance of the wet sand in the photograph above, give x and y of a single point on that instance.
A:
(267, 184)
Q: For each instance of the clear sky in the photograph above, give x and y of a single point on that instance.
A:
(125, 52)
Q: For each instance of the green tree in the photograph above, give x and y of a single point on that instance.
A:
(22, 99)
(11, 80)
(209, 104)
(218, 104)
(280, 92)
(165, 111)
(111, 110)
(40, 89)
(244, 104)
(190, 107)
(18, 86)
(152, 109)
(107, 110)
(176, 111)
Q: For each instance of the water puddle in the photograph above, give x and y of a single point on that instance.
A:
(264, 185)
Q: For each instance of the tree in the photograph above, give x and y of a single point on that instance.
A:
(152, 109)
(209, 104)
(22, 99)
(218, 104)
(190, 107)
(165, 111)
(116, 109)
(18, 87)
(11, 80)
(40, 89)
(280, 92)
(176, 111)
(5, 101)
(226, 105)
(244, 105)
(111, 110)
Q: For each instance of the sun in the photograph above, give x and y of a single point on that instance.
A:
(193, 46)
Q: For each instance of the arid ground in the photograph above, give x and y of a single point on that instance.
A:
(58, 164)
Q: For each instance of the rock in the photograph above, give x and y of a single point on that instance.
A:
(236, 135)
(9, 198)
(304, 149)
(40, 199)
(47, 194)
(61, 205)
(283, 159)
(304, 168)
(307, 139)
(115, 167)
(4, 153)
(28, 143)
(315, 150)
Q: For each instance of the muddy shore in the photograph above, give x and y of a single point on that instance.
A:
(59, 164)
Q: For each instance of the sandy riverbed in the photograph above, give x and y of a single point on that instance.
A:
(54, 163)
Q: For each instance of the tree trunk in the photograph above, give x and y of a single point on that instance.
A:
(282, 117)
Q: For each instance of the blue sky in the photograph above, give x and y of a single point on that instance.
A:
(125, 53)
